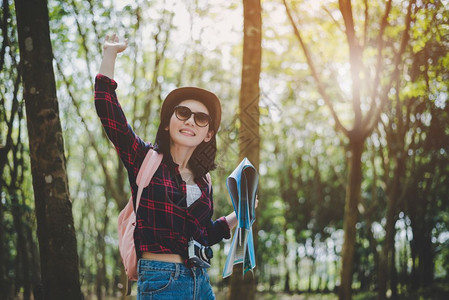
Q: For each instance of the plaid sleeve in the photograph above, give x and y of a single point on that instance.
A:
(129, 146)
(218, 230)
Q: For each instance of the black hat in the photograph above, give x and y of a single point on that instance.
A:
(209, 99)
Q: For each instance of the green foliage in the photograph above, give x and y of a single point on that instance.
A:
(303, 159)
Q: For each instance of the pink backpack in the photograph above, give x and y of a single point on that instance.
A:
(127, 217)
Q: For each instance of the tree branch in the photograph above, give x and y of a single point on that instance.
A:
(83, 39)
(365, 26)
(134, 83)
(372, 119)
(378, 69)
(94, 26)
(333, 19)
(15, 109)
(160, 56)
(318, 80)
(355, 59)
(91, 138)
(4, 29)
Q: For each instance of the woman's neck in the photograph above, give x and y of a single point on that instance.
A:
(181, 156)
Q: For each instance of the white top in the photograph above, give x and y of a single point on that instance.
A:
(193, 193)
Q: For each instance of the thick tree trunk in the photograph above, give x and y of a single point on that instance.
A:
(422, 252)
(353, 190)
(426, 259)
(57, 240)
(250, 91)
(245, 288)
(4, 149)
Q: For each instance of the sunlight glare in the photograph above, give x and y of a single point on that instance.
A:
(219, 33)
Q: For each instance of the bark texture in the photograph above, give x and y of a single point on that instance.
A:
(249, 140)
(56, 233)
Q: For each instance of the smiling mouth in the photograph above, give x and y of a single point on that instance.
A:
(188, 132)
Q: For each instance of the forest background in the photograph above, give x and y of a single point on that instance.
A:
(333, 95)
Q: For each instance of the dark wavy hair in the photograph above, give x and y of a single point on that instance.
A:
(202, 160)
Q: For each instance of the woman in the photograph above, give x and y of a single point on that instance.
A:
(176, 208)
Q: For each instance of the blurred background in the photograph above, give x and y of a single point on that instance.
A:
(352, 116)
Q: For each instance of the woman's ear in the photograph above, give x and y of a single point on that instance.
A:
(209, 136)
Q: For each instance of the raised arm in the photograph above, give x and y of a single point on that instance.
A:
(129, 146)
(111, 47)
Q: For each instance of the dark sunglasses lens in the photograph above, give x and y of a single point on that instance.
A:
(201, 119)
(183, 113)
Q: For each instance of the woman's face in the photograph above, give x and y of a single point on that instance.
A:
(187, 133)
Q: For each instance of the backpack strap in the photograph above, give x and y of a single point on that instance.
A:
(147, 169)
(209, 181)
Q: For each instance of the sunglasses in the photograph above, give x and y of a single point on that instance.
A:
(183, 113)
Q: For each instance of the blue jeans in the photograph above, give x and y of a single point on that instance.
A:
(165, 280)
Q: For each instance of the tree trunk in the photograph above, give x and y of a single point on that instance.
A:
(57, 240)
(285, 253)
(22, 257)
(422, 252)
(245, 288)
(297, 268)
(426, 259)
(101, 264)
(4, 149)
(387, 255)
(311, 270)
(3, 274)
(34, 259)
(353, 190)
(393, 274)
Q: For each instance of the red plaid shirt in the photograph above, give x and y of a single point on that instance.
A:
(164, 223)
